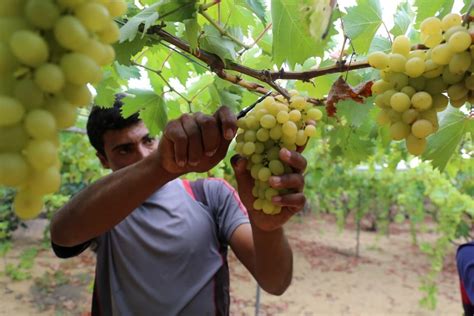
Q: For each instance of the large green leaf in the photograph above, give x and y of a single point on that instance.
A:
(192, 32)
(427, 8)
(402, 19)
(355, 113)
(212, 41)
(362, 22)
(256, 6)
(148, 17)
(125, 51)
(292, 41)
(151, 107)
(442, 145)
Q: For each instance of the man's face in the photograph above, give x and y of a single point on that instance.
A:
(126, 146)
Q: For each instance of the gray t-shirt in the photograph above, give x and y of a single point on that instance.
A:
(168, 257)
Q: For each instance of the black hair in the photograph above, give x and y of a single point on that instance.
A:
(102, 120)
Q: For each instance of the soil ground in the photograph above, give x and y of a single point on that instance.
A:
(328, 278)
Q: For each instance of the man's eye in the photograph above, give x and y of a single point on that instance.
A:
(123, 151)
(149, 140)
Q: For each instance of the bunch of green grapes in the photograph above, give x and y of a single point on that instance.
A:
(50, 50)
(417, 84)
(272, 125)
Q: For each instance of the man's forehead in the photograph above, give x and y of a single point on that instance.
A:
(133, 133)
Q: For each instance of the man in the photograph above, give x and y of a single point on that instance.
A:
(465, 266)
(160, 249)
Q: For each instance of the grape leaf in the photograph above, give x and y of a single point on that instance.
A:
(256, 6)
(151, 107)
(362, 22)
(427, 8)
(148, 17)
(125, 51)
(402, 19)
(442, 145)
(192, 30)
(340, 90)
(292, 41)
(214, 42)
(355, 113)
(320, 13)
(127, 72)
(177, 10)
(380, 44)
(106, 89)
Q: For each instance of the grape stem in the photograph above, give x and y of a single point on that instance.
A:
(219, 67)
(467, 16)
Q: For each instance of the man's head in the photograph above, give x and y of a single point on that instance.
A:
(119, 142)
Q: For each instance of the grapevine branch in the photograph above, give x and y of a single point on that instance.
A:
(219, 67)
(159, 74)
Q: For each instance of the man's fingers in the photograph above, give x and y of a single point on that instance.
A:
(293, 159)
(288, 181)
(293, 201)
(176, 134)
(193, 132)
(210, 133)
(228, 122)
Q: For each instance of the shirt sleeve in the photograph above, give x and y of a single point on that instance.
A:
(465, 265)
(68, 252)
(224, 199)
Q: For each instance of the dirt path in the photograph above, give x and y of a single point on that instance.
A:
(328, 279)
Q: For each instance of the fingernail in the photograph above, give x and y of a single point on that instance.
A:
(181, 163)
(194, 163)
(285, 153)
(229, 134)
(275, 180)
(211, 153)
(276, 199)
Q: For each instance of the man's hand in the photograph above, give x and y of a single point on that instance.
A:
(196, 142)
(291, 203)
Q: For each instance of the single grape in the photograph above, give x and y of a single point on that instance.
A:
(70, 33)
(94, 16)
(17, 133)
(41, 153)
(314, 114)
(415, 146)
(289, 128)
(49, 77)
(400, 102)
(264, 174)
(421, 100)
(79, 69)
(248, 148)
(401, 45)
(40, 124)
(13, 169)
(459, 41)
(268, 121)
(422, 128)
(415, 67)
(30, 48)
(431, 25)
(450, 20)
(399, 130)
(42, 14)
(378, 60)
(12, 111)
(27, 205)
(294, 115)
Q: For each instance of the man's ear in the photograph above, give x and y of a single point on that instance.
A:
(103, 160)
